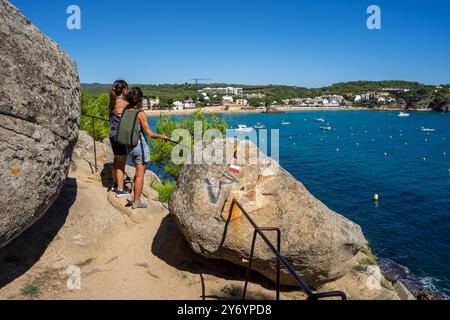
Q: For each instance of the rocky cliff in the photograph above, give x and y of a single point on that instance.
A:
(39, 115)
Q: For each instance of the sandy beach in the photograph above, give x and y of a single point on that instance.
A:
(239, 110)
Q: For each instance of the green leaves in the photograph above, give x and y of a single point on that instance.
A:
(162, 151)
(96, 106)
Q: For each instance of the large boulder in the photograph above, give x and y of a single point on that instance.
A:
(39, 116)
(321, 245)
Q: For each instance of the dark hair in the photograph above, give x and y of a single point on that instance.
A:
(120, 87)
(135, 97)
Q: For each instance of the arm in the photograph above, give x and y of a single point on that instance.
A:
(146, 128)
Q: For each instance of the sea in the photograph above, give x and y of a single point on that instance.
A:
(376, 152)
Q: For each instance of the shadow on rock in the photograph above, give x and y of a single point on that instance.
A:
(170, 246)
(24, 251)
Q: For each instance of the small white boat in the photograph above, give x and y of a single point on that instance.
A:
(319, 120)
(243, 128)
(285, 123)
(326, 128)
(403, 114)
(427, 129)
(259, 126)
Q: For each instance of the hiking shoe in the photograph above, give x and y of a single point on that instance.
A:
(140, 205)
(130, 199)
(121, 193)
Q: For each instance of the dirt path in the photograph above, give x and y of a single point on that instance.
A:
(124, 254)
(121, 254)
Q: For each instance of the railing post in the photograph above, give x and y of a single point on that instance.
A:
(250, 261)
(95, 144)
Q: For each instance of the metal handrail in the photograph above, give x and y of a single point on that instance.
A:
(93, 135)
(280, 260)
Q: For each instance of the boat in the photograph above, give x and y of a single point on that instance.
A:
(403, 114)
(259, 126)
(326, 128)
(319, 120)
(427, 129)
(285, 123)
(243, 128)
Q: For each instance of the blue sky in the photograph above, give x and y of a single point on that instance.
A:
(305, 43)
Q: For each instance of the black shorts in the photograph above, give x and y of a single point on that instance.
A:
(118, 149)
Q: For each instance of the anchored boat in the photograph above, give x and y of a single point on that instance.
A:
(243, 128)
(427, 129)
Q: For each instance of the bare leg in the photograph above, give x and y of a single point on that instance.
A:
(139, 182)
(120, 162)
(114, 173)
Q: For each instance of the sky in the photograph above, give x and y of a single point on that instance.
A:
(292, 42)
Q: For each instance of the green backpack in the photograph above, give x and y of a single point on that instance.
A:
(129, 131)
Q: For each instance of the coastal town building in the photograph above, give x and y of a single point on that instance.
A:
(255, 96)
(227, 99)
(396, 90)
(228, 90)
(242, 102)
(150, 103)
(145, 104)
(178, 105)
(189, 104)
(153, 102)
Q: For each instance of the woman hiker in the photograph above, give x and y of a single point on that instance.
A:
(140, 155)
(118, 103)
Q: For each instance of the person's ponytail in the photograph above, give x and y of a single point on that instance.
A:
(119, 88)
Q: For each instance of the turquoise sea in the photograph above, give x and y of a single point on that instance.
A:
(375, 152)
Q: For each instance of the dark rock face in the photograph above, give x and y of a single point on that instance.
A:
(39, 116)
(321, 245)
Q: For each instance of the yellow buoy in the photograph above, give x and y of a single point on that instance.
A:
(448, 170)
(376, 197)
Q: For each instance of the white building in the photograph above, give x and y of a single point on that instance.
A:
(242, 102)
(228, 90)
(227, 99)
(145, 103)
(256, 96)
(178, 105)
(358, 98)
(153, 102)
(189, 104)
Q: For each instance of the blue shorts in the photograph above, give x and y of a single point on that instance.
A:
(136, 154)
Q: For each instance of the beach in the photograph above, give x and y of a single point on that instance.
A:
(240, 110)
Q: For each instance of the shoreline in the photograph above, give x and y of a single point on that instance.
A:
(283, 109)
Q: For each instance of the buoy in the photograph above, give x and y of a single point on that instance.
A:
(337, 149)
(376, 197)
(448, 170)
(385, 154)
(424, 159)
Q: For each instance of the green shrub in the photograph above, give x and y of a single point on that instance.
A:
(30, 290)
(95, 106)
(370, 259)
(164, 190)
(161, 154)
